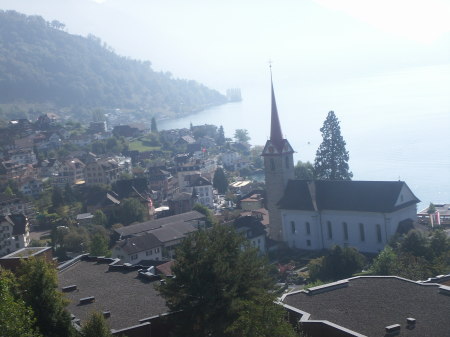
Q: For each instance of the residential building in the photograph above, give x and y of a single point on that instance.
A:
(70, 172)
(11, 204)
(371, 306)
(22, 156)
(101, 171)
(13, 260)
(31, 187)
(137, 248)
(14, 233)
(181, 202)
(253, 230)
(203, 190)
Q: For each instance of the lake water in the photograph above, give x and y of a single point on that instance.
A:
(396, 125)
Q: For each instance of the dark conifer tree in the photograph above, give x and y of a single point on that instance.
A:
(220, 136)
(331, 161)
(220, 181)
(153, 126)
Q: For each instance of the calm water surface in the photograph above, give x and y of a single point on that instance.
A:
(396, 125)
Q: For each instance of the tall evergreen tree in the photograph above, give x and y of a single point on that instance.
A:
(331, 161)
(220, 136)
(220, 180)
(153, 126)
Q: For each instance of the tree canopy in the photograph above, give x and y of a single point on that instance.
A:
(304, 170)
(42, 64)
(241, 135)
(221, 287)
(331, 161)
(220, 181)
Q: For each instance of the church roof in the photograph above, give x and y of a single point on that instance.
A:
(362, 196)
(276, 136)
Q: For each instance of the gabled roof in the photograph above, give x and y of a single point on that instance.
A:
(154, 224)
(139, 243)
(362, 196)
(251, 225)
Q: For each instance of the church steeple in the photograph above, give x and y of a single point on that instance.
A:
(276, 136)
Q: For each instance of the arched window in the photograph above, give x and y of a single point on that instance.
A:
(345, 230)
(293, 227)
(308, 228)
(379, 233)
(362, 235)
(330, 230)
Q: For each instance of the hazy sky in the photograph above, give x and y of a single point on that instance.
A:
(229, 43)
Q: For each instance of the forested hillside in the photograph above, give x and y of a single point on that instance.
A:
(40, 63)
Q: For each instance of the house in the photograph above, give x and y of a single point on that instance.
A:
(181, 202)
(137, 248)
(203, 189)
(14, 233)
(441, 216)
(22, 156)
(84, 219)
(371, 306)
(101, 171)
(320, 214)
(253, 202)
(11, 204)
(31, 187)
(253, 230)
(127, 298)
(184, 141)
(161, 181)
(360, 214)
(13, 260)
(70, 172)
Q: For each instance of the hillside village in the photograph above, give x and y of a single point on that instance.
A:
(111, 204)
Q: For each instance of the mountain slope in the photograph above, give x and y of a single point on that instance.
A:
(40, 63)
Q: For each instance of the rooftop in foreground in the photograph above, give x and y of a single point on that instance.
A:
(366, 305)
(126, 296)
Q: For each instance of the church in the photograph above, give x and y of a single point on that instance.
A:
(320, 214)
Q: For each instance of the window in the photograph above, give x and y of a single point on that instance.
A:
(287, 162)
(293, 227)
(308, 243)
(362, 235)
(345, 229)
(134, 257)
(308, 228)
(330, 230)
(378, 232)
(272, 164)
(149, 252)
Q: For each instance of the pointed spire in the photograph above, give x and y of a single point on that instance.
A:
(276, 135)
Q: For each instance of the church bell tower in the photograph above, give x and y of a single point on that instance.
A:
(279, 168)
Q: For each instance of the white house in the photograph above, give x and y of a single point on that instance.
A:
(138, 248)
(14, 233)
(360, 214)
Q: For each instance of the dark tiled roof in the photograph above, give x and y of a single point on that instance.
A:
(139, 243)
(368, 304)
(126, 296)
(153, 224)
(364, 196)
(251, 224)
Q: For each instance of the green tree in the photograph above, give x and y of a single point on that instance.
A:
(220, 181)
(339, 263)
(217, 275)
(220, 136)
(414, 243)
(153, 126)
(100, 218)
(331, 161)
(16, 319)
(38, 285)
(131, 210)
(99, 246)
(96, 326)
(8, 191)
(210, 218)
(431, 209)
(304, 170)
(241, 136)
(57, 197)
(385, 263)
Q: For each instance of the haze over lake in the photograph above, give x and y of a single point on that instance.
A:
(382, 66)
(395, 124)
